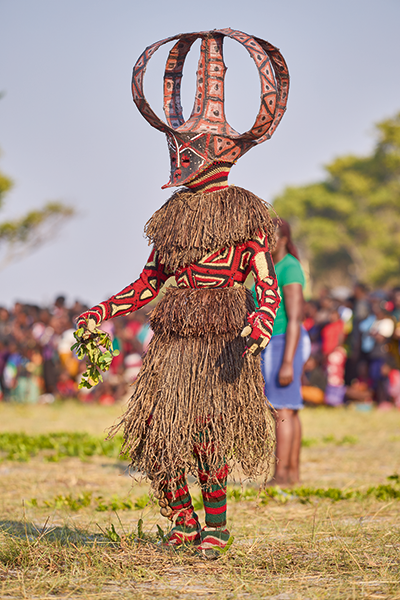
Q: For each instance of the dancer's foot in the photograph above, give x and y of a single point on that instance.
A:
(187, 529)
(213, 540)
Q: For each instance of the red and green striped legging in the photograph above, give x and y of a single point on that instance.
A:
(213, 491)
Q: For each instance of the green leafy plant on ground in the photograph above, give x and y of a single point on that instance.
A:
(22, 447)
(55, 446)
(384, 492)
(329, 439)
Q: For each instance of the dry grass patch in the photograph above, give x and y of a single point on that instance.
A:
(315, 552)
(286, 547)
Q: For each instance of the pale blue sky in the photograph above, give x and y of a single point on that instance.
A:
(70, 131)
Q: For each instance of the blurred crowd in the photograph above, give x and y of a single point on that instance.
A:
(355, 337)
(37, 364)
(355, 356)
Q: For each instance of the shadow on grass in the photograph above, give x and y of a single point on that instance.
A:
(23, 530)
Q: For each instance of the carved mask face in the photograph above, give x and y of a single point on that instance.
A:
(188, 157)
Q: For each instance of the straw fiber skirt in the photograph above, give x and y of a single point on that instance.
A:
(196, 388)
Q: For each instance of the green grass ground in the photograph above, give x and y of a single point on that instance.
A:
(75, 525)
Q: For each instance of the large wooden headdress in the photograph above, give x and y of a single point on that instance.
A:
(206, 137)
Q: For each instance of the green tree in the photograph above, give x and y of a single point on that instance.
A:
(348, 226)
(21, 236)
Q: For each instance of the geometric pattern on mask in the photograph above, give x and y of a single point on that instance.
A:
(206, 136)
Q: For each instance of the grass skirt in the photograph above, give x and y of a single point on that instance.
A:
(196, 389)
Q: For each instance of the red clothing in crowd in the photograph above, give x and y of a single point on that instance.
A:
(332, 335)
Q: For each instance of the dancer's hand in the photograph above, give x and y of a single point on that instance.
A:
(285, 375)
(89, 321)
(256, 337)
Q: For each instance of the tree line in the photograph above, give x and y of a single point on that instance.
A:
(348, 225)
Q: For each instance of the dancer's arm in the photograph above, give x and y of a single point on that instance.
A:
(293, 297)
(261, 322)
(131, 298)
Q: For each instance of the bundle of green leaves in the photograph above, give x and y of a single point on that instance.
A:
(96, 346)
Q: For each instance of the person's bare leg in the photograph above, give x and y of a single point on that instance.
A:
(294, 462)
(284, 438)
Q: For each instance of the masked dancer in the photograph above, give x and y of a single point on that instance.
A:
(198, 404)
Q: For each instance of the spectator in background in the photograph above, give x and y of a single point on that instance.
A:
(37, 365)
(311, 325)
(335, 358)
(396, 304)
(324, 310)
(5, 323)
(35, 356)
(361, 310)
(314, 380)
(3, 360)
(381, 332)
(59, 306)
(393, 375)
(284, 357)
(394, 346)
(10, 370)
(332, 334)
(360, 388)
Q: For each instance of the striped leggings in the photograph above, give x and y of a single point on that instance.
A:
(213, 491)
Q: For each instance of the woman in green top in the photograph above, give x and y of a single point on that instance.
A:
(284, 357)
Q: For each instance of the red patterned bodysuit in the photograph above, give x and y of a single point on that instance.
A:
(219, 269)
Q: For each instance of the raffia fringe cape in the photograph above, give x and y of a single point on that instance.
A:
(196, 386)
(189, 225)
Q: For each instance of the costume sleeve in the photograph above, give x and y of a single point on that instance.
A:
(131, 298)
(261, 322)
